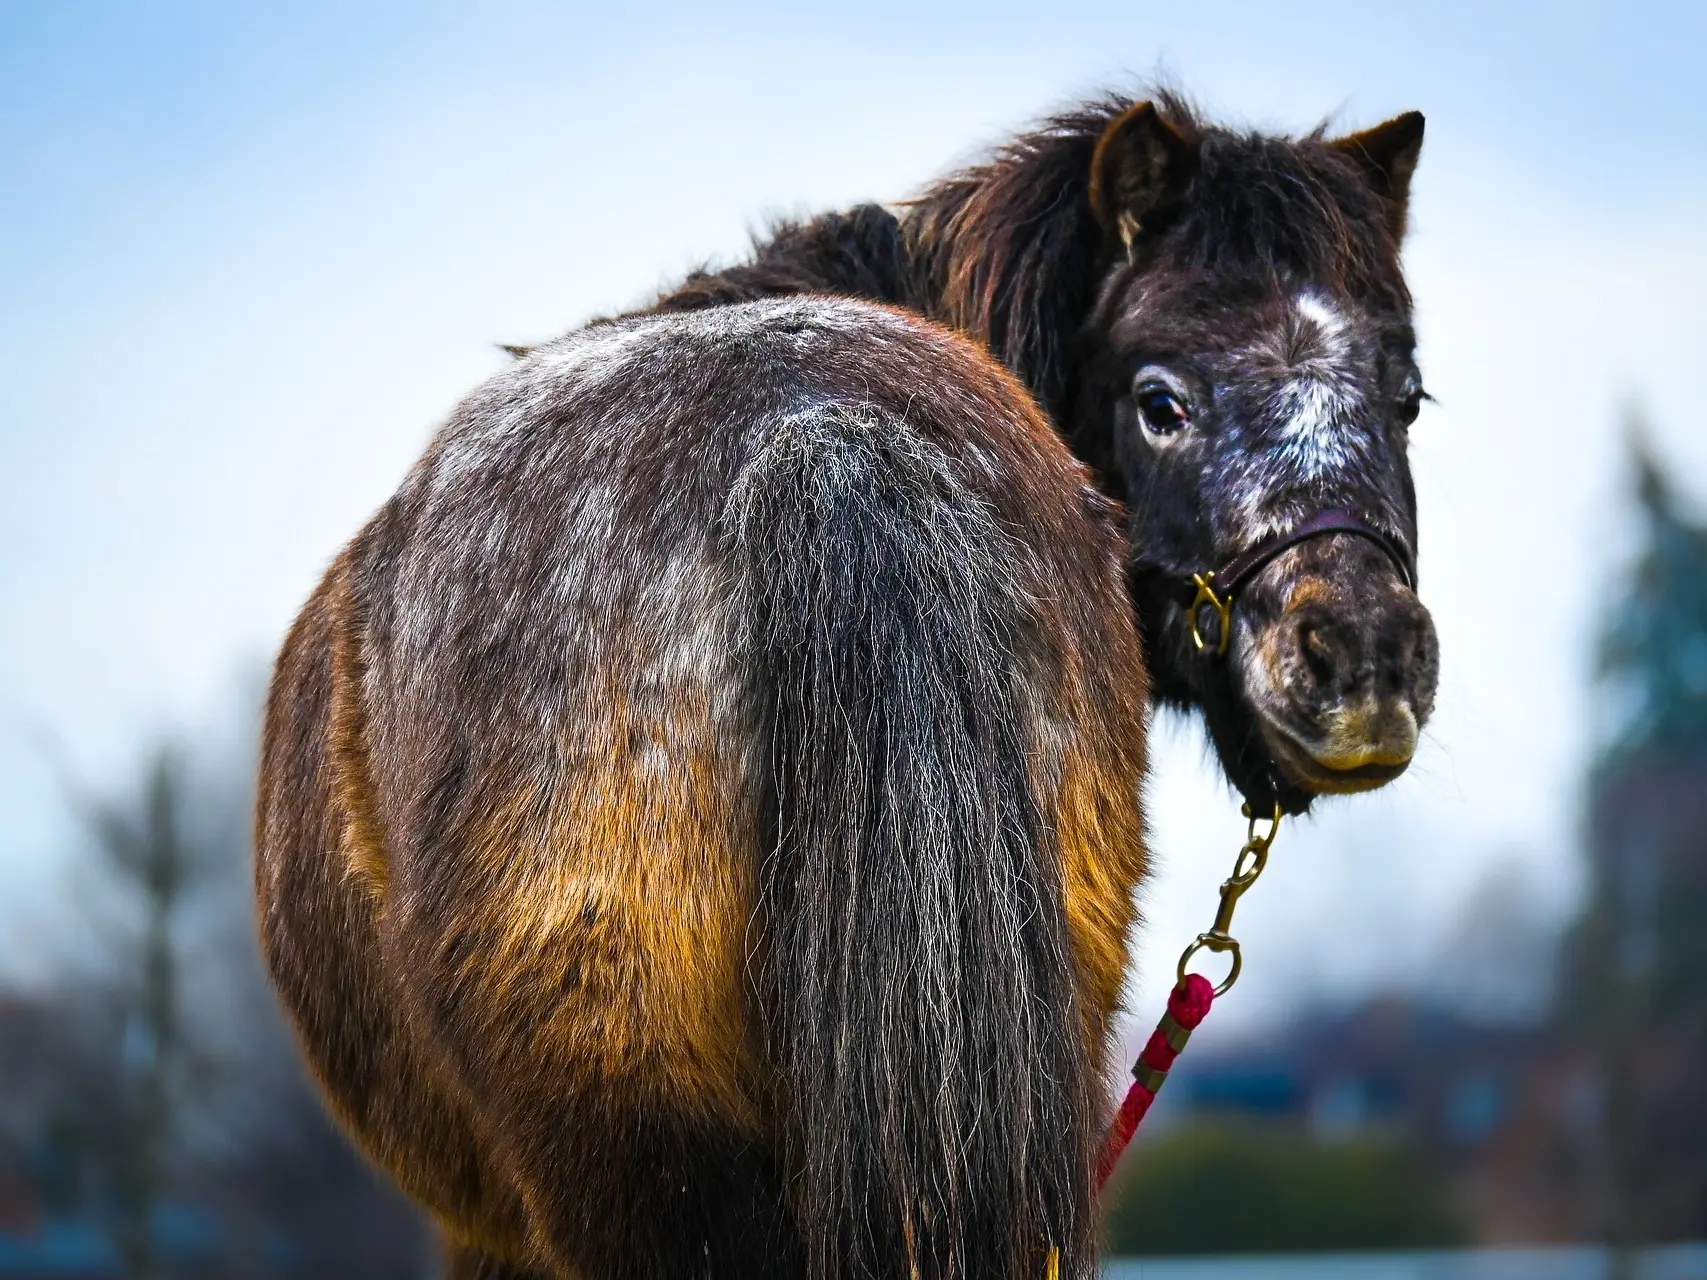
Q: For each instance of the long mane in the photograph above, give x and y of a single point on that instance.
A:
(1007, 250)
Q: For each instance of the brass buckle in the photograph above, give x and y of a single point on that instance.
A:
(1223, 610)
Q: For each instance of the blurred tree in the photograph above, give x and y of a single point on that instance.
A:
(1243, 1188)
(154, 1095)
(1653, 652)
(155, 870)
(1637, 962)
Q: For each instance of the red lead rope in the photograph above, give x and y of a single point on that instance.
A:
(1188, 1003)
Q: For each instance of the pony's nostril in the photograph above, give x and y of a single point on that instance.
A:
(1316, 649)
(1393, 680)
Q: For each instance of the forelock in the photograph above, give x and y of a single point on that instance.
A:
(1263, 207)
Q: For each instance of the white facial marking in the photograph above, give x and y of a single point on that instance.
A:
(1312, 407)
(1314, 441)
(1310, 306)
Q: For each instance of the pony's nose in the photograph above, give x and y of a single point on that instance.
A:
(1360, 683)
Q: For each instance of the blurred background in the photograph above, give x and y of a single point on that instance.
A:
(249, 255)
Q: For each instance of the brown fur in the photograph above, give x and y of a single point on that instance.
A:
(320, 928)
(500, 962)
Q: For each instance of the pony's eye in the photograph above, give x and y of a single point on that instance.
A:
(1410, 402)
(1160, 409)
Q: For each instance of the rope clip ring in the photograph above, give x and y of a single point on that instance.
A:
(1215, 942)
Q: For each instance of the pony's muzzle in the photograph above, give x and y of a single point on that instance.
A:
(1343, 678)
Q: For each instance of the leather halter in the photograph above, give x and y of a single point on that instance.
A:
(1220, 588)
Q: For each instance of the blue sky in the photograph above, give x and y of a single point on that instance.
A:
(250, 254)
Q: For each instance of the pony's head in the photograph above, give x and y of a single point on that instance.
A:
(1250, 366)
(1220, 322)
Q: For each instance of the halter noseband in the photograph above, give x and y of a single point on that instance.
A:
(1220, 588)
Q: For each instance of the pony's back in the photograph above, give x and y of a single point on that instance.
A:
(699, 812)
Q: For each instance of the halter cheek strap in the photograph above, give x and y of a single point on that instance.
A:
(1220, 588)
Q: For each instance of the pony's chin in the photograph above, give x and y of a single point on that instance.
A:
(1367, 769)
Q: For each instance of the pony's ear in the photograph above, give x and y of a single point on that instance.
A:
(1141, 166)
(1387, 154)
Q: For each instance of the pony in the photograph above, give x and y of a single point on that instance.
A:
(699, 813)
